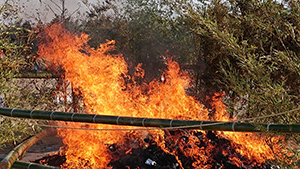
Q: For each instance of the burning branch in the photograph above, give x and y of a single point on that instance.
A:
(18, 151)
(151, 122)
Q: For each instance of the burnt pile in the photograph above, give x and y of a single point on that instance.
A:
(182, 149)
(55, 160)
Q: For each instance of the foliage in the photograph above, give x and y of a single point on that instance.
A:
(144, 32)
(17, 56)
(252, 48)
(249, 49)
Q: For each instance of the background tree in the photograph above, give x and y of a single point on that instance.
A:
(144, 31)
(252, 48)
(249, 49)
(252, 52)
(17, 55)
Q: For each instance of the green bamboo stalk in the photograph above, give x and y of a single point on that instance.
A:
(13, 155)
(28, 165)
(151, 122)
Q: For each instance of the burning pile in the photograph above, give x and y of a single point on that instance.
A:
(103, 81)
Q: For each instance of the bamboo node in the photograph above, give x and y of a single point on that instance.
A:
(51, 115)
(171, 123)
(72, 117)
(143, 122)
(31, 113)
(118, 120)
(16, 152)
(201, 125)
(11, 112)
(94, 118)
(233, 126)
(268, 127)
(28, 167)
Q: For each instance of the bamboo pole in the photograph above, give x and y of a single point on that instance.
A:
(151, 122)
(28, 165)
(13, 155)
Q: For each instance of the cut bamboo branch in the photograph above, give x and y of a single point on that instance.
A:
(13, 155)
(37, 75)
(28, 165)
(151, 122)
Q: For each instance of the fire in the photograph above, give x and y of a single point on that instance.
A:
(103, 80)
(251, 145)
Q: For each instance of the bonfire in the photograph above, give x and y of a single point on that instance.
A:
(102, 80)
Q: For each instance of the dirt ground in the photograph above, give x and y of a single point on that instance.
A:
(46, 145)
(42, 148)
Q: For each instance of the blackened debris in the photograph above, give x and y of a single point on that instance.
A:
(54, 160)
(145, 153)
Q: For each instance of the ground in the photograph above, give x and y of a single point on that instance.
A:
(42, 148)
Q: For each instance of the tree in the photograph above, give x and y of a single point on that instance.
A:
(246, 48)
(144, 31)
(252, 51)
(17, 55)
(252, 48)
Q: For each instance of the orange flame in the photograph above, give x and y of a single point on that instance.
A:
(100, 76)
(251, 145)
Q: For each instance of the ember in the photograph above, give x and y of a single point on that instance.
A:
(103, 81)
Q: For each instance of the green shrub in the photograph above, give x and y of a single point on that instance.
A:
(16, 56)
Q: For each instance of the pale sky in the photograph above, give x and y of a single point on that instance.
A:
(44, 9)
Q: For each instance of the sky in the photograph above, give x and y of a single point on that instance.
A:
(45, 10)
